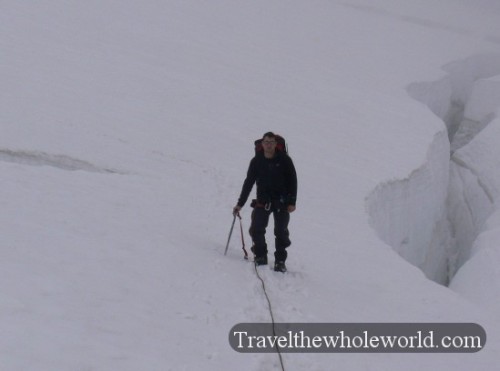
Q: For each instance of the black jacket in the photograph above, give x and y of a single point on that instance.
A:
(276, 179)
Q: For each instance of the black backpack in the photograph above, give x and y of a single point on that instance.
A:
(280, 145)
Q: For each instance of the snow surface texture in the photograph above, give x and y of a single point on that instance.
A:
(126, 130)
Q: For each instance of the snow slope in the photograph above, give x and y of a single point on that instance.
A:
(126, 130)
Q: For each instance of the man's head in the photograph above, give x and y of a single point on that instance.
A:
(269, 144)
(269, 134)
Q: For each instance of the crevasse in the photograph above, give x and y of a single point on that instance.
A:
(433, 217)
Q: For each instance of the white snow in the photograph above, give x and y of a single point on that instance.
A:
(126, 132)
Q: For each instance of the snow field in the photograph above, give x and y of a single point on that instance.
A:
(126, 130)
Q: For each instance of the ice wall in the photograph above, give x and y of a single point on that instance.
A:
(478, 274)
(433, 217)
(479, 278)
(407, 213)
(478, 111)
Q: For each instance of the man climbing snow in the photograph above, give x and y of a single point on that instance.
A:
(273, 171)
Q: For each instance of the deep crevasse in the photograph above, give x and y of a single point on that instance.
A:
(433, 217)
(406, 220)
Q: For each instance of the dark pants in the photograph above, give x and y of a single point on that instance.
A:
(260, 220)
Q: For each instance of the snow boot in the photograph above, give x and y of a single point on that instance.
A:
(261, 260)
(279, 266)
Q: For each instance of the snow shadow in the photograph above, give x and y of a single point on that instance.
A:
(34, 158)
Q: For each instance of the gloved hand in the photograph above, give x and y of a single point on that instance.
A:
(236, 210)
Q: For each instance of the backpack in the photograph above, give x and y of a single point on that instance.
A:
(280, 145)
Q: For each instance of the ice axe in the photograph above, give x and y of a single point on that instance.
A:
(231, 232)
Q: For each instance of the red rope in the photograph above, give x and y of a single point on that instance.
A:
(242, 238)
